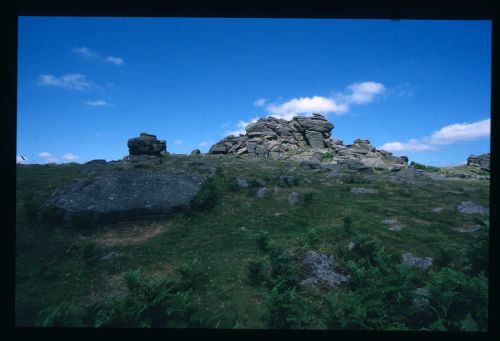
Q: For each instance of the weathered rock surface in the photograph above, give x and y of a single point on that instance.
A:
(117, 196)
(364, 190)
(306, 139)
(410, 260)
(469, 207)
(293, 198)
(321, 270)
(482, 161)
(146, 144)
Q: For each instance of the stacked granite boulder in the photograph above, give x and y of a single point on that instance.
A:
(146, 144)
(482, 161)
(305, 139)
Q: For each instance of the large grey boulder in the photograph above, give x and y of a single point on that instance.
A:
(117, 196)
(146, 144)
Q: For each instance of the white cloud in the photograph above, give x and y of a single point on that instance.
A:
(21, 159)
(72, 81)
(412, 145)
(98, 103)
(452, 133)
(462, 132)
(70, 157)
(361, 93)
(178, 141)
(45, 154)
(52, 160)
(306, 105)
(338, 103)
(91, 54)
(240, 127)
(86, 52)
(114, 60)
(259, 102)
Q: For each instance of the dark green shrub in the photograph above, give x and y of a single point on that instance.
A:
(478, 250)
(257, 271)
(191, 273)
(88, 250)
(348, 224)
(206, 198)
(287, 308)
(262, 241)
(308, 198)
(459, 301)
(313, 235)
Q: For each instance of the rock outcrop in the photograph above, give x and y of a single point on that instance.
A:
(146, 144)
(305, 139)
(482, 161)
(117, 196)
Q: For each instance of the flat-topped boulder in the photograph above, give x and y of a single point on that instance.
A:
(146, 144)
(117, 196)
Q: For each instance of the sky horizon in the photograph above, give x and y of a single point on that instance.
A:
(418, 88)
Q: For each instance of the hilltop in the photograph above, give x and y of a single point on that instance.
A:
(275, 236)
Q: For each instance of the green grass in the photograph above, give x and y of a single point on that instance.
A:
(59, 271)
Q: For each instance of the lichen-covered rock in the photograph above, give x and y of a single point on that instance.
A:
(410, 260)
(146, 144)
(482, 161)
(306, 139)
(469, 207)
(321, 270)
(117, 196)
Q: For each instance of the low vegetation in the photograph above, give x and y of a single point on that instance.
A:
(233, 261)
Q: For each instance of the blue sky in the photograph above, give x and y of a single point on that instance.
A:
(86, 85)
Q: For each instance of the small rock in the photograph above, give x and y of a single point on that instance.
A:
(411, 260)
(364, 190)
(110, 255)
(389, 221)
(421, 299)
(293, 198)
(262, 192)
(278, 214)
(351, 246)
(196, 152)
(288, 180)
(396, 228)
(437, 209)
(469, 207)
(468, 229)
(471, 189)
(241, 183)
(276, 190)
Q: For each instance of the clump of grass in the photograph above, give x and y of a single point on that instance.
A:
(262, 241)
(257, 271)
(191, 273)
(88, 251)
(328, 156)
(206, 198)
(417, 165)
(308, 198)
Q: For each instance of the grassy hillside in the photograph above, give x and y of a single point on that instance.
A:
(233, 262)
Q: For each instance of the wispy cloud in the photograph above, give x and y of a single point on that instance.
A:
(48, 157)
(71, 81)
(240, 127)
(361, 93)
(453, 133)
(91, 54)
(259, 102)
(70, 157)
(178, 141)
(97, 103)
(114, 60)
